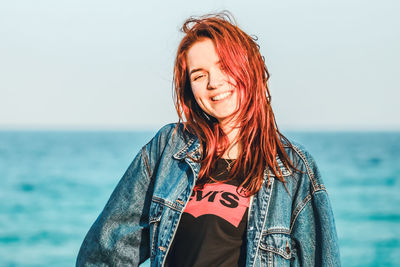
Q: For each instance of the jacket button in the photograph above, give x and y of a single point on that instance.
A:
(287, 247)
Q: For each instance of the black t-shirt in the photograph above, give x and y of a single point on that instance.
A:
(212, 229)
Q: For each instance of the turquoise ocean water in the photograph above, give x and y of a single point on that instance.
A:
(54, 184)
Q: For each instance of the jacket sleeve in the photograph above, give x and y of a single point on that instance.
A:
(314, 229)
(120, 235)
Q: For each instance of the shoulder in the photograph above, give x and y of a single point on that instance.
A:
(172, 135)
(305, 169)
(305, 184)
(174, 132)
(167, 130)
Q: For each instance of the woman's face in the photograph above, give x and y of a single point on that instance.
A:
(213, 89)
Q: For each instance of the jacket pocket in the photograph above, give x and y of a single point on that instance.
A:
(156, 210)
(276, 248)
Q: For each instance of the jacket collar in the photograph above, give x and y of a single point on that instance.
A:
(191, 148)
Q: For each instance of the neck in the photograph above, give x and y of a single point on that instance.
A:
(234, 146)
(232, 152)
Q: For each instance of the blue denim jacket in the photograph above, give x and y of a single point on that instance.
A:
(293, 227)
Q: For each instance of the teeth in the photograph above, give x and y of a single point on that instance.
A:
(221, 96)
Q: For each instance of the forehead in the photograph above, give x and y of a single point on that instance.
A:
(202, 54)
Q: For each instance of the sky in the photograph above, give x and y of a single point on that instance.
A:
(95, 64)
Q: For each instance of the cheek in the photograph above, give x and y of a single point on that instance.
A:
(199, 97)
(196, 97)
(197, 91)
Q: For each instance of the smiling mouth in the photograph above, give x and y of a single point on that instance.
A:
(221, 96)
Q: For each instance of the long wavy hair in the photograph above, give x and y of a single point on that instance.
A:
(258, 134)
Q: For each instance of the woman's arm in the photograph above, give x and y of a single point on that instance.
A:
(315, 233)
(120, 234)
(313, 227)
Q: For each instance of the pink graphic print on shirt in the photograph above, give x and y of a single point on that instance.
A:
(221, 200)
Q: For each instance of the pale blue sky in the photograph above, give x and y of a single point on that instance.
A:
(72, 64)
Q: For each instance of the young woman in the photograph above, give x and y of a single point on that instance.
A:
(223, 187)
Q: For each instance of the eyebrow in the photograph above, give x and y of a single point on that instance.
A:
(195, 70)
(200, 69)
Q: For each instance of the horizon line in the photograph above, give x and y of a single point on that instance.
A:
(125, 128)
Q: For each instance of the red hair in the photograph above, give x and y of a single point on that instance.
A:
(261, 142)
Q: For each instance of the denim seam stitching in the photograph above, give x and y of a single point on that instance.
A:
(155, 219)
(271, 260)
(277, 251)
(166, 203)
(309, 171)
(301, 206)
(265, 219)
(277, 231)
(285, 171)
(146, 161)
(155, 226)
(178, 154)
(299, 209)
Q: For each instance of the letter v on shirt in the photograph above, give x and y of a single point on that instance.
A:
(218, 199)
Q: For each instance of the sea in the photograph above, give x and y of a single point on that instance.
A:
(54, 184)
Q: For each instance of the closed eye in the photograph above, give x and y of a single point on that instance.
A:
(198, 77)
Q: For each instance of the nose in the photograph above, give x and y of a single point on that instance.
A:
(215, 79)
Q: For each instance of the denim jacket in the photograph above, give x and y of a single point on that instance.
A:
(286, 227)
